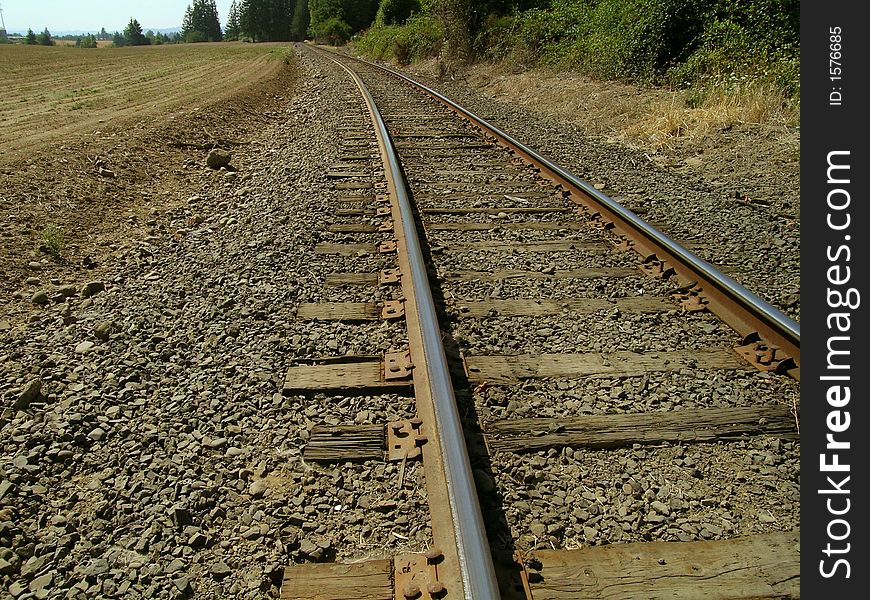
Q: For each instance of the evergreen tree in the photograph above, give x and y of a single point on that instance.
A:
(270, 20)
(212, 21)
(133, 34)
(283, 20)
(104, 35)
(395, 12)
(201, 22)
(252, 19)
(30, 38)
(118, 40)
(322, 10)
(359, 14)
(233, 28)
(187, 21)
(88, 41)
(299, 23)
(44, 38)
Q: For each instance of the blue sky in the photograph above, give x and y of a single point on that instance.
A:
(90, 15)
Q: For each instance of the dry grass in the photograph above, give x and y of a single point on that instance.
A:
(604, 107)
(758, 104)
(650, 119)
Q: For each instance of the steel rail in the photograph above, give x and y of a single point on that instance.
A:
(740, 308)
(474, 554)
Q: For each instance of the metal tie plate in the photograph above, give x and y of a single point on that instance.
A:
(390, 277)
(405, 439)
(416, 576)
(393, 309)
(397, 365)
(388, 247)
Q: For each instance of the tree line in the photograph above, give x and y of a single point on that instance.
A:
(685, 43)
(267, 20)
(327, 21)
(247, 20)
(43, 39)
(131, 36)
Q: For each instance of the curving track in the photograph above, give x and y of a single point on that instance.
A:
(587, 408)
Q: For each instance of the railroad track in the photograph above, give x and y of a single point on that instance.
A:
(598, 412)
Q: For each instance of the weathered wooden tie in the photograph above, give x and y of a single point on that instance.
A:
(511, 210)
(349, 249)
(354, 185)
(500, 274)
(338, 311)
(478, 226)
(396, 441)
(487, 226)
(618, 430)
(352, 228)
(345, 249)
(338, 279)
(549, 246)
(355, 212)
(414, 147)
(758, 567)
(345, 443)
(369, 580)
(349, 375)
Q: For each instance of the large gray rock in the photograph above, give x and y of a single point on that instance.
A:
(28, 394)
(220, 569)
(218, 158)
(84, 347)
(103, 330)
(92, 288)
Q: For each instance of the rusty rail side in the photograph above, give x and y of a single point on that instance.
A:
(457, 520)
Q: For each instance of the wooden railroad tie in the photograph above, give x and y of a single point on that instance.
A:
(762, 566)
(620, 430)
(351, 375)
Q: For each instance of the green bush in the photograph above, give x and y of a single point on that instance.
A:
(44, 38)
(53, 241)
(333, 31)
(613, 38)
(675, 42)
(421, 37)
(195, 37)
(88, 41)
(696, 44)
(741, 46)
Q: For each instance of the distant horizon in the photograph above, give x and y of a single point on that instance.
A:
(14, 32)
(78, 17)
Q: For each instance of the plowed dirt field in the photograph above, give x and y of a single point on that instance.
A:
(95, 142)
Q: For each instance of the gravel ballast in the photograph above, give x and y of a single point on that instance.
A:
(146, 450)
